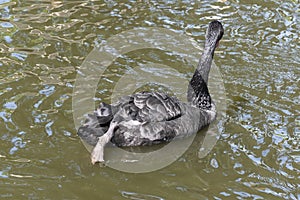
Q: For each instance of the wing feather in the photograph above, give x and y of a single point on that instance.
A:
(153, 106)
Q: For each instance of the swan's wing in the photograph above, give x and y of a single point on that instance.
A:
(149, 107)
(146, 118)
(142, 119)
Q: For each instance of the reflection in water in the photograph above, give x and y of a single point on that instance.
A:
(44, 43)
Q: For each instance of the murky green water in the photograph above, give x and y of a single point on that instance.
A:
(43, 44)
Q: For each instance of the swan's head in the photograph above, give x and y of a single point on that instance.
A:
(214, 33)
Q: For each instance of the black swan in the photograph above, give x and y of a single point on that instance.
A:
(147, 118)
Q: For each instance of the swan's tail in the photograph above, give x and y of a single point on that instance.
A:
(96, 124)
(104, 113)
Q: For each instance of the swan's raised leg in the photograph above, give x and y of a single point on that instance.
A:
(98, 151)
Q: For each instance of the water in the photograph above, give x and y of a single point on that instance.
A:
(43, 44)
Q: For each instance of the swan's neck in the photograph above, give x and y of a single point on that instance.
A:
(205, 63)
(198, 94)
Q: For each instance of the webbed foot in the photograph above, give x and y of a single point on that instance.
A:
(97, 154)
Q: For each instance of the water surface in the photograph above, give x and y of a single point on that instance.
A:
(43, 44)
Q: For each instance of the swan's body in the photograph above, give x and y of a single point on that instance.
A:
(147, 118)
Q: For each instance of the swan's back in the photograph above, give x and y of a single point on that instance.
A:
(147, 107)
(144, 118)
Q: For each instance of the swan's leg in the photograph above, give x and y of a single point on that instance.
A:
(98, 151)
